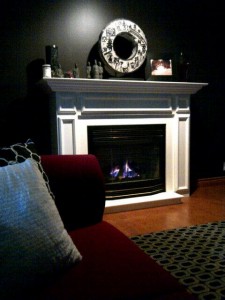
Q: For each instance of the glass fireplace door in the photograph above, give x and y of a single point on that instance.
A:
(132, 158)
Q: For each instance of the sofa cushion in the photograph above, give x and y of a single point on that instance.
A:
(113, 268)
(18, 153)
(34, 245)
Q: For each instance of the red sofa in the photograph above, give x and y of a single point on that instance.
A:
(113, 267)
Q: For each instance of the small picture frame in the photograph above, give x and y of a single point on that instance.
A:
(161, 67)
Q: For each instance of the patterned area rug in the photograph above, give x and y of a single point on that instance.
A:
(194, 255)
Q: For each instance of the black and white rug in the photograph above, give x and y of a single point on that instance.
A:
(194, 255)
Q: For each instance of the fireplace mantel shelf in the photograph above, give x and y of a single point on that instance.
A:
(115, 86)
(78, 104)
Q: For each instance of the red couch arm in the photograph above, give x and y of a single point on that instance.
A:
(78, 185)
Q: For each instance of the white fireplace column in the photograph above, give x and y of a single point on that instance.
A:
(79, 103)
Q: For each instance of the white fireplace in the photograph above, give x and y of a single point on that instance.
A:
(80, 103)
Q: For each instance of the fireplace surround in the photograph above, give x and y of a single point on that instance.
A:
(79, 105)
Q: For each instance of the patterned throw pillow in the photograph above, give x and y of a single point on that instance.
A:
(34, 244)
(18, 153)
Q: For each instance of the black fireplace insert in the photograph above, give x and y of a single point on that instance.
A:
(132, 158)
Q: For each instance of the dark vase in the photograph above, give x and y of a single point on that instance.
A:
(51, 55)
(183, 68)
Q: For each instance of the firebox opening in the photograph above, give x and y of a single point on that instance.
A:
(132, 158)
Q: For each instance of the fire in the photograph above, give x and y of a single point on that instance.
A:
(127, 172)
(115, 172)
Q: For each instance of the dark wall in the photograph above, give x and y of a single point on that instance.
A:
(192, 26)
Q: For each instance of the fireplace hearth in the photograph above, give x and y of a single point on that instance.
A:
(132, 158)
(80, 106)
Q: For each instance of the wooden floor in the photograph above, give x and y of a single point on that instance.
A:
(206, 204)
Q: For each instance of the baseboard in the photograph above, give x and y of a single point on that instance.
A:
(204, 182)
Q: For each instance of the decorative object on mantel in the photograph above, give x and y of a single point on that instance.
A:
(69, 74)
(51, 53)
(47, 72)
(52, 60)
(123, 47)
(95, 70)
(57, 71)
(183, 68)
(162, 67)
(88, 70)
(100, 68)
(76, 71)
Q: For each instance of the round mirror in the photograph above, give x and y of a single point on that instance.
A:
(123, 47)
